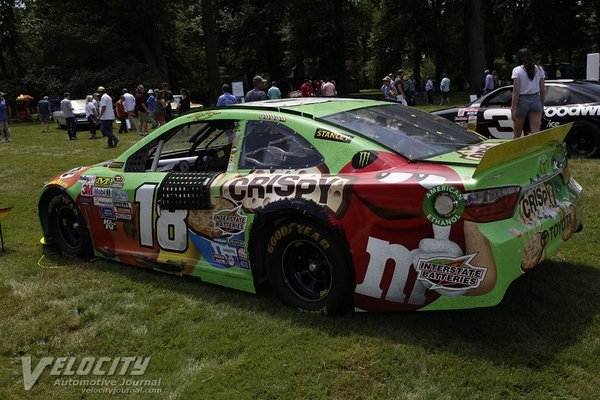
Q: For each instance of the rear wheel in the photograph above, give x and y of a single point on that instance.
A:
(68, 228)
(308, 268)
(583, 140)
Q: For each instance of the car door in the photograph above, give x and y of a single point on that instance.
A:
(494, 117)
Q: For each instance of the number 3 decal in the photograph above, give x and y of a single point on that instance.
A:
(171, 229)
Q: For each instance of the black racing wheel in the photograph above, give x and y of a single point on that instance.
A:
(67, 227)
(583, 140)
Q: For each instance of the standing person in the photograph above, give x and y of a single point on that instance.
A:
(67, 108)
(160, 107)
(445, 89)
(429, 88)
(409, 85)
(274, 93)
(258, 92)
(306, 88)
(44, 114)
(121, 114)
(168, 96)
(496, 79)
(130, 108)
(489, 82)
(96, 101)
(185, 104)
(91, 115)
(328, 89)
(529, 93)
(389, 92)
(141, 109)
(150, 102)
(399, 87)
(107, 117)
(226, 99)
(4, 128)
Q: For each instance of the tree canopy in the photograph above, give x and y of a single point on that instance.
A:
(50, 46)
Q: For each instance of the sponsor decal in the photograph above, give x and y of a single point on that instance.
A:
(109, 225)
(552, 124)
(535, 201)
(260, 188)
(87, 189)
(102, 181)
(107, 213)
(58, 182)
(86, 200)
(273, 117)
(449, 273)
(443, 205)
(363, 159)
(86, 179)
(120, 216)
(70, 173)
(230, 222)
(116, 164)
(122, 204)
(475, 152)
(103, 201)
(572, 111)
(119, 195)
(117, 181)
(333, 136)
(102, 192)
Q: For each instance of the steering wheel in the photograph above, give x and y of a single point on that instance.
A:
(202, 161)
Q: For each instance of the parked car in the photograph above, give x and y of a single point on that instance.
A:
(79, 111)
(175, 105)
(566, 101)
(336, 203)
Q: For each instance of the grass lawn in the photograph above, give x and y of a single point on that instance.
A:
(209, 342)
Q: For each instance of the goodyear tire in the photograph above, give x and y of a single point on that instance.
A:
(583, 140)
(68, 228)
(308, 267)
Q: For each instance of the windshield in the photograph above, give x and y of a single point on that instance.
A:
(412, 133)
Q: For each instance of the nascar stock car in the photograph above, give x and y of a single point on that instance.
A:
(334, 202)
(566, 101)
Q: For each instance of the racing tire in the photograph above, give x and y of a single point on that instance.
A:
(67, 227)
(308, 267)
(583, 140)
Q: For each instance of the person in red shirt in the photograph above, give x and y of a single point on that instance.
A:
(122, 114)
(306, 88)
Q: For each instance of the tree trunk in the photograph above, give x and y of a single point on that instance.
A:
(475, 52)
(210, 48)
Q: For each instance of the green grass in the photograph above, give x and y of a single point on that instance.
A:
(209, 342)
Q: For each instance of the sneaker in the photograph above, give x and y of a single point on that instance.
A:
(72, 138)
(9, 140)
(116, 142)
(3, 141)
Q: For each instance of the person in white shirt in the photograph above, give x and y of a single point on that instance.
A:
(528, 93)
(67, 108)
(130, 107)
(91, 115)
(107, 116)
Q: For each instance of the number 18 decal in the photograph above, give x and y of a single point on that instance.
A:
(171, 228)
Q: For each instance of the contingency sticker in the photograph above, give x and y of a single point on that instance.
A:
(450, 274)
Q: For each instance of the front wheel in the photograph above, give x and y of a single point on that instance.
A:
(583, 140)
(308, 267)
(68, 228)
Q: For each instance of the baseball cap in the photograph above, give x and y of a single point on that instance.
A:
(101, 89)
(257, 79)
(45, 97)
(150, 91)
(387, 78)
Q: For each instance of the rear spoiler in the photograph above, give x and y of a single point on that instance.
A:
(513, 149)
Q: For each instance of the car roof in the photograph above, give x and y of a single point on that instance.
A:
(311, 106)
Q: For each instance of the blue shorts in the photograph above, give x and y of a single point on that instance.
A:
(528, 103)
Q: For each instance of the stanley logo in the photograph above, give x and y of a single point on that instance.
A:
(363, 159)
(335, 137)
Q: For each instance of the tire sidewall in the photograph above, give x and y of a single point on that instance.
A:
(588, 129)
(84, 247)
(339, 296)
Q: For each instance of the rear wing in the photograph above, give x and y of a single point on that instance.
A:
(513, 149)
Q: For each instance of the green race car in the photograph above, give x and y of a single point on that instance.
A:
(337, 203)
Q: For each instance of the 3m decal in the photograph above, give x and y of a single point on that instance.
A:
(117, 181)
(230, 222)
(273, 117)
(333, 136)
(573, 111)
(102, 192)
(450, 274)
(443, 205)
(535, 201)
(363, 159)
(107, 213)
(87, 189)
(256, 190)
(102, 182)
(475, 152)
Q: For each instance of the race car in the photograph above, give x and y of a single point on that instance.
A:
(566, 101)
(336, 203)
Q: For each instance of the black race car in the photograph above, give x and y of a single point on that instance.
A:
(566, 101)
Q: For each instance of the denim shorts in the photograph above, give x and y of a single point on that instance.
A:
(529, 103)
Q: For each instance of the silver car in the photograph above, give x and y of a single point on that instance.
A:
(79, 111)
